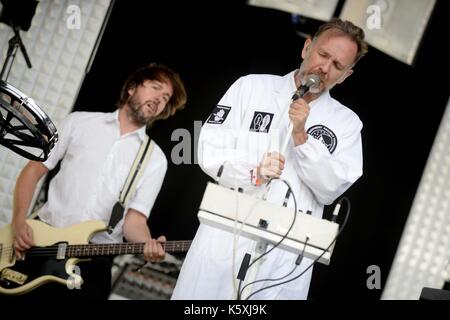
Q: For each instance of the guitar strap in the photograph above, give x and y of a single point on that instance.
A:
(129, 187)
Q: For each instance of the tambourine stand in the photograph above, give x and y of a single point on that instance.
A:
(13, 45)
(24, 127)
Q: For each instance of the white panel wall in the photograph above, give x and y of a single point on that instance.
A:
(316, 9)
(59, 50)
(395, 27)
(423, 256)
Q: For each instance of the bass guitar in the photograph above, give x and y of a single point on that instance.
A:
(56, 253)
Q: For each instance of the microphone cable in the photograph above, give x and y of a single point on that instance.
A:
(279, 242)
(347, 214)
(297, 263)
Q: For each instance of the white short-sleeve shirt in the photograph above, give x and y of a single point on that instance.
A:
(96, 161)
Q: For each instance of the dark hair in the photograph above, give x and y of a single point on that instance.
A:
(355, 33)
(159, 72)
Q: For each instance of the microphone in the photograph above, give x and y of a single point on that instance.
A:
(311, 81)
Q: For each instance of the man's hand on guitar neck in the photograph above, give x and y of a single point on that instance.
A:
(135, 229)
(23, 237)
(153, 250)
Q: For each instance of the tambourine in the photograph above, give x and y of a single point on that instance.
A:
(24, 127)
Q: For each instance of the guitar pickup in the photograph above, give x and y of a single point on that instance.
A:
(61, 254)
(13, 276)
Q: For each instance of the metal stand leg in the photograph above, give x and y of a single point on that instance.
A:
(13, 45)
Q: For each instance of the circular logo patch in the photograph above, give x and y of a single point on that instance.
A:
(325, 135)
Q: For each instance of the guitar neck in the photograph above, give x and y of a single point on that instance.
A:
(89, 250)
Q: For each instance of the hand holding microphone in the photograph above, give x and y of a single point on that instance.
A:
(299, 112)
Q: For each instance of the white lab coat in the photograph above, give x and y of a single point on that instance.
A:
(318, 172)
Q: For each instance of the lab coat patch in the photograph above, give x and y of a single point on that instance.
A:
(325, 135)
(261, 122)
(219, 114)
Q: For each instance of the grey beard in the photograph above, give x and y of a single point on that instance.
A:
(136, 114)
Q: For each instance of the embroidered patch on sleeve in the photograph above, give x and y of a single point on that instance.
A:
(325, 135)
(219, 114)
(261, 122)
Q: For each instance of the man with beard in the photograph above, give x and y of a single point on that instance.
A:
(97, 151)
(323, 158)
